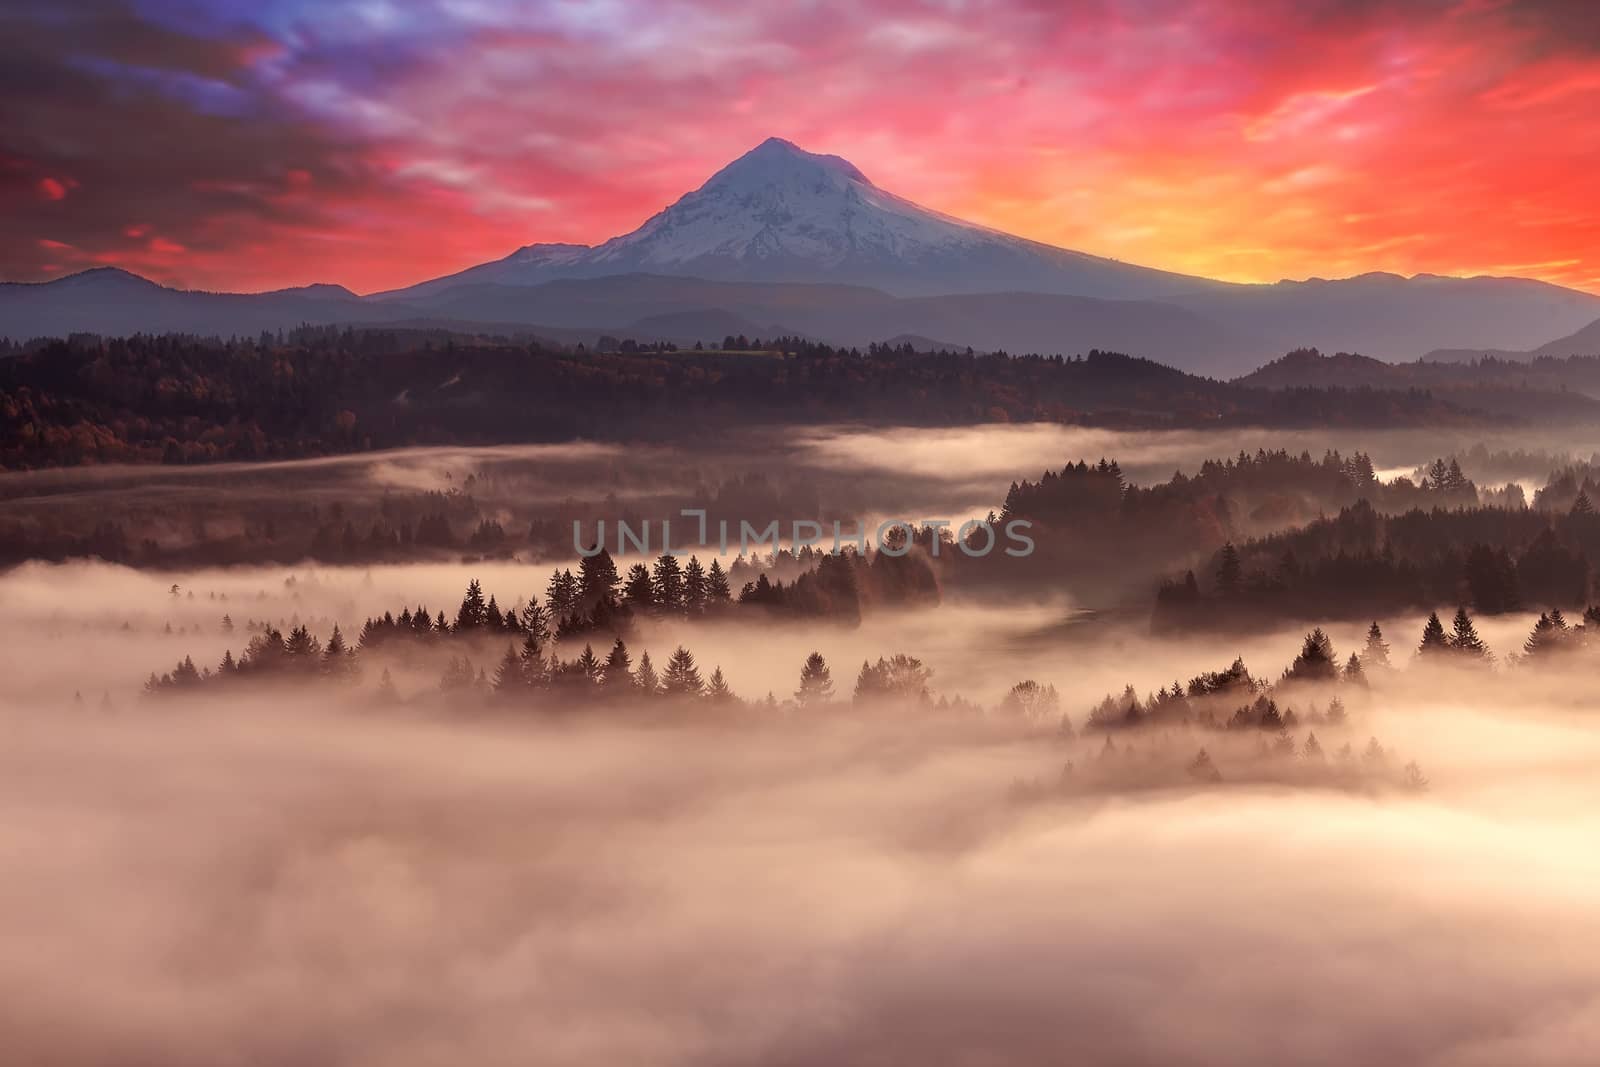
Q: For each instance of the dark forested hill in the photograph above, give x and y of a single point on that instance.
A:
(1564, 388)
(326, 390)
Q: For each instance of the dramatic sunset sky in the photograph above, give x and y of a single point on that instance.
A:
(250, 144)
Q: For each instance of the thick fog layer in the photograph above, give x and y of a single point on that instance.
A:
(307, 876)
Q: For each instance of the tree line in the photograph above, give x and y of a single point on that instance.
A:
(325, 390)
(1359, 562)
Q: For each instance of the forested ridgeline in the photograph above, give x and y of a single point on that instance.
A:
(320, 391)
(1085, 513)
(1546, 379)
(1267, 487)
(1361, 562)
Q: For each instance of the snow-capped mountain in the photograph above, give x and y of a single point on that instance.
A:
(787, 241)
(780, 213)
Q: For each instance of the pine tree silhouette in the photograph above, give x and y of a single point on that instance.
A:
(667, 580)
(717, 690)
(508, 677)
(1376, 652)
(717, 592)
(1464, 639)
(639, 593)
(644, 677)
(1434, 641)
(616, 674)
(694, 586)
(473, 613)
(588, 664)
(816, 682)
(682, 677)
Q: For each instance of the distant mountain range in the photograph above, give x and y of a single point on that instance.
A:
(1586, 342)
(783, 241)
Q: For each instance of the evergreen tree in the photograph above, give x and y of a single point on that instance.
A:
(1434, 641)
(227, 624)
(386, 690)
(668, 583)
(536, 623)
(638, 593)
(1464, 640)
(816, 683)
(336, 659)
(1312, 751)
(185, 675)
(302, 650)
(1353, 672)
(473, 613)
(598, 580)
(1271, 718)
(1549, 635)
(682, 677)
(869, 683)
(508, 677)
(589, 664)
(1582, 505)
(561, 597)
(694, 586)
(532, 656)
(616, 676)
(1376, 652)
(644, 677)
(717, 690)
(1438, 476)
(265, 653)
(904, 679)
(493, 618)
(717, 591)
(1316, 662)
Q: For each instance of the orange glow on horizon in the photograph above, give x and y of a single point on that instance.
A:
(1248, 142)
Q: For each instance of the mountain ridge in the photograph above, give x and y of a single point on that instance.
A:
(1582, 342)
(848, 262)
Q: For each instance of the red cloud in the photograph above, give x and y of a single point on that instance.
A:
(1249, 140)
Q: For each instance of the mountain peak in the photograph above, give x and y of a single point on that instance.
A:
(316, 291)
(103, 276)
(776, 161)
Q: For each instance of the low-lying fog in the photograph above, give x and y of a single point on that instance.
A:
(916, 473)
(301, 878)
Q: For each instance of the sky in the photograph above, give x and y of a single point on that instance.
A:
(255, 144)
